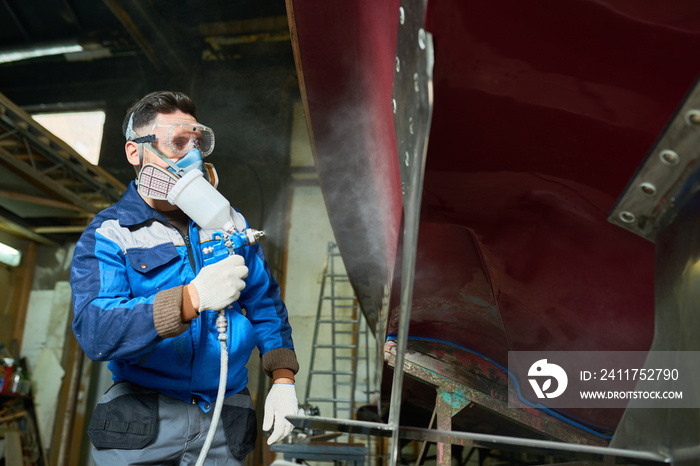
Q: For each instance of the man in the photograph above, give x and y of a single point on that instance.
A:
(144, 301)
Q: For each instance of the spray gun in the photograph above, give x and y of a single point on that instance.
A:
(227, 244)
(197, 198)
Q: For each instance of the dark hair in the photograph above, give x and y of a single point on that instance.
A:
(148, 107)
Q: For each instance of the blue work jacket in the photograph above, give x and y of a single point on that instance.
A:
(123, 259)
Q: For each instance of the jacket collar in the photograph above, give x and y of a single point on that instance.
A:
(132, 209)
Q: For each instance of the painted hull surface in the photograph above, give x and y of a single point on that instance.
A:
(344, 56)
(542, 113)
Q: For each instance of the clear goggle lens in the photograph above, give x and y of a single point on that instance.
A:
(185, 136)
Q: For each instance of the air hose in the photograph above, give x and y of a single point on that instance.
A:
(225, 244)
(221, 326)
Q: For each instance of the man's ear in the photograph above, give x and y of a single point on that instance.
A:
(132, 153)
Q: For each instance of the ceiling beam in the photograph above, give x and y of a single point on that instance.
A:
(51, 164)
(148, 29)
(11, 13)
(62, 229)
(44, 181)
(16, 229)
(269, 24)
(44, 202)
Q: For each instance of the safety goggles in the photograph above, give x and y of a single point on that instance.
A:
(181, 137)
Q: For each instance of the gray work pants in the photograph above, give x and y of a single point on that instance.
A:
(133, 425)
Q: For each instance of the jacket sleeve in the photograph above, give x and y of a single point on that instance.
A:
(266, 311)
(109, 323)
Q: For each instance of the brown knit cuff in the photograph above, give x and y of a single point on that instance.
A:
(283, 374)
(167, 313)
(279, 358)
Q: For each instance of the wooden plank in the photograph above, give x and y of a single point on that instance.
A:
(26, 170)
(15, 115)
(249, 26)
(42, 201)
(13, 448)
(24, 287)
(64, 434)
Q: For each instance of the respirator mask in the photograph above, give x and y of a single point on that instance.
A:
(188, 140)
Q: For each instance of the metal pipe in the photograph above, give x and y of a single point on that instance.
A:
(535, 446)
(488, 441)
(413, 100)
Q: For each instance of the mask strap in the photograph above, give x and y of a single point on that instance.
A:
(180, 172)
(148, 140)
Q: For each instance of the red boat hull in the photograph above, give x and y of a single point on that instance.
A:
(542, 113)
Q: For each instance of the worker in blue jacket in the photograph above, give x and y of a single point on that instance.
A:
(144, 301)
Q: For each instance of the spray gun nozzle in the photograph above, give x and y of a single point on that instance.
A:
(256, 235)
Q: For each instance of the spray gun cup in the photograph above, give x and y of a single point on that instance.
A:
(197, 198)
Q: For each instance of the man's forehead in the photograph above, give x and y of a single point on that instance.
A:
(169, 120)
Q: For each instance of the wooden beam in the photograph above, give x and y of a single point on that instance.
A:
(66, 229)
(155, 36)
(245, 27)
(25, 288)
(23, 120)
(18, 230)
(64, 426)
(54, 187)
(43, 201)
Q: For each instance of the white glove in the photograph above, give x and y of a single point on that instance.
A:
(281, 401)
(220, 284)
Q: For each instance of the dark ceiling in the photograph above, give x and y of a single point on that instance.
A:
(234, 57)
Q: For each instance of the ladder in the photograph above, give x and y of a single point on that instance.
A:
(338, 331)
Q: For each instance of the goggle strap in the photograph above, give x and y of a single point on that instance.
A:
(143, 139)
